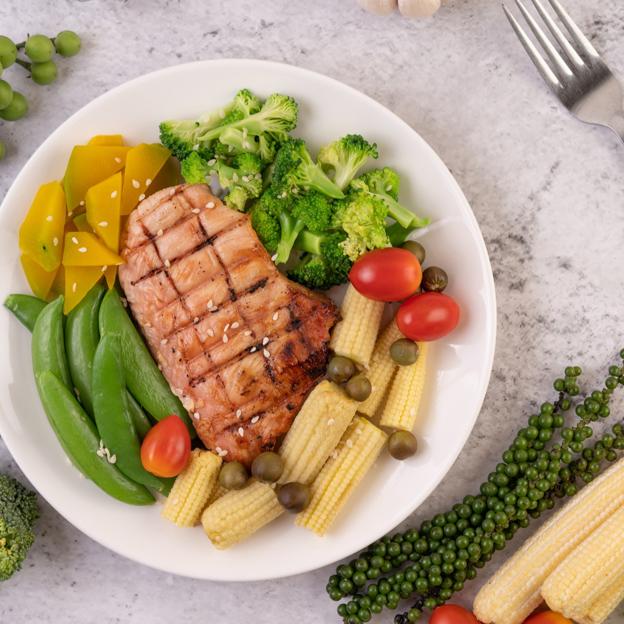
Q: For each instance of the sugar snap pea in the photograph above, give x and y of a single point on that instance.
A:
(141, 422)
(80, 440)
(112, 414)
(25, 308)
(144, 379)
(81, 339)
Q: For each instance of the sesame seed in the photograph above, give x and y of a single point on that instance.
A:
(241, 432)
(248, 332)
(103, 224)
(55, 241)
(112, 459)
(246, 145)
(211, 332)
(210, 204)
(49, 218)
(388, 188)
(258, 176)
(74, 287)
(239, 413)
(276, 316)
(195, 211)
(214, 309)
(196, 147)
(218, 449)
(167, 262)
(274, 257)
(141, 196)
(136, 184)
(349, 443)
(148, 324)
(334, 454)
(330, 422)
(225, 338)
(212, 161)
(253, 350)
(196, 415)
(210, 304)
(81, 203)
(113, 194)
(255, 419)
(70, 213)
(266, 353)
(196, 320)
(159, 233)
(235, 325)
(227, 326)
(74, 240)
(117, 159)
(148, 181)
(164, 341)
(104, 268)
(265, 341)
(82, 249)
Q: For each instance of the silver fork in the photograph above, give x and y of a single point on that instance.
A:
(573, 70)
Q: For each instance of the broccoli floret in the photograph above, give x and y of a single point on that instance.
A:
(18, 512)
(384, 184)
(295, 169)
(290, 227)
(345, 157)
(267, 227)
(314, 209)
(242, 178)
(195, 169)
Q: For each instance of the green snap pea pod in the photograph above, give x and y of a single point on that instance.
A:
(48, 345)
(81, 339)
(141, 422)
(112, 415)
(80, 440)
(144, 379)
(25, 308)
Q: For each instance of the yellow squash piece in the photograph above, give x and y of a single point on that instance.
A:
(143, 163)
(41, 232)
(39, 280)
(169, 175)
(356, 453)
(192, 489)
(79, 280)
(86, 249)
(106, 139)
(80, 221)
(104, 210)
(88, 165)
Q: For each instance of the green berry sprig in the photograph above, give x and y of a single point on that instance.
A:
(547, 460)
(39, 51)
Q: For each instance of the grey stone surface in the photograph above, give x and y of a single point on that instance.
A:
(546, 190)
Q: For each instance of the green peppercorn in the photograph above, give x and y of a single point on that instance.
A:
(233, 476)
(414, 247)
(404, 352)
(340, 369)
(359, 387)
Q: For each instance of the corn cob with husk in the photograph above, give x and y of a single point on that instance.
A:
(355, 335)
(380, 370)
(192, 489)
(405, 395)
(515, 590)
(338, 479)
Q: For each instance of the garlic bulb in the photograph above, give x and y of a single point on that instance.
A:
(418, 8)
(379, 7)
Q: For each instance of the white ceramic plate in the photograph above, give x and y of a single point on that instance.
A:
(458, 370)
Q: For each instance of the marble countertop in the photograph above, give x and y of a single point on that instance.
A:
(544, 188)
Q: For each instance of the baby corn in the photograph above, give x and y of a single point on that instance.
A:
(192, 489)
(401, 408)
(381, 369)
(605, 604)
(515, 590)
(338, 479)
(240, 513)
(588, 571)
(315, 432)
(355, 335)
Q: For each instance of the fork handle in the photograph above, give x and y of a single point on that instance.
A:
(617, 124)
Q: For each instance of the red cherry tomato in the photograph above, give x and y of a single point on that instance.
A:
(547, 617)
(166, 448)
(390, 274)
(427, 316)
(452, 614)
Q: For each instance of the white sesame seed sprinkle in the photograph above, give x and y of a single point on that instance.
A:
(334, 454)
(74, 287)
(265, 341)
(247, 332)
(196, 320)
(113, 194)
(195, 147)
(241, 432)
(112, 459)
(210, 204)
(388, 188)
(245, 178)
(148, 181)
(212, 161)
(117, 159)
(330, 422)
(258, 176)
(255, 419)
(195, 211)
(164, 341)
(349, 443)
(196, 415)
(141, 196)
(274, 257)
(81, 203)
(227, 326)
(74, 240)
(210, 304)
(70, 213)
(82, 249)
(276, 316)
(55, 241)
(159, 233)
(104, 268)
(49, 218)
(235, 325)
(103, 224)
(266, 353)
(253, 350)
(246, 144)
(239, 413)
(225, 338)
(211, 332)
(136, 184)
(167, 262)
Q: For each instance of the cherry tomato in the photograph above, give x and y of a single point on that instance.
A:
(390, 274)
(452, 614)
(547, 617)
(166, 449)
(427, 316)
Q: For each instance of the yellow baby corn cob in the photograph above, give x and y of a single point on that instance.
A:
(605, 604)
(217, 493)
(380, 370)
(192, 489)
(240, 513)
(515, 590)
(588, 571)
(356, 453)
(316, 431)
(401, 408)
(355, 335)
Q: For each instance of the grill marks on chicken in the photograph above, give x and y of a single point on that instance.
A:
(239, 343)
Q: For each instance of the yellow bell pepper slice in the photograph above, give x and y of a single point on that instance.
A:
(106, 139)
(80, 221)
(86, 249)
(88, 165)
(41, 232)
(169, 175)
(143, 163)
(104, 210)
(78, 282)
(39, 280)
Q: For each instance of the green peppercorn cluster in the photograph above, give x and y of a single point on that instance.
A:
(547, 460)
(39, 50)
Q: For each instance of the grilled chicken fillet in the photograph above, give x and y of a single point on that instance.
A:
(239, 343)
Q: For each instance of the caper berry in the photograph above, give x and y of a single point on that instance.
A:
(67, 43)
(434, 279)
(404, 352)
(267, 467)
(294, 496)
(340, 369)
(6, 94)
(233, 476)
(39, 48)
(402, 444)
(16, 109)
(8, 52)
(415, 248)
(43, 73)
(359, 387)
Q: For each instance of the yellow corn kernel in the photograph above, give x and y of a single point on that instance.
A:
(355, 335)
(315, 432)
(380, 370)
(606, 603)
(515, 590)
(338, 479)
(192, 489)
(240, 513)
(401, 408)
(586, 573)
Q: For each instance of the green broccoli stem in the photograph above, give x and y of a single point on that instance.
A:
(399, 213)
(309, 241)
(290, 229)
(398, 234)
(323, 184)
